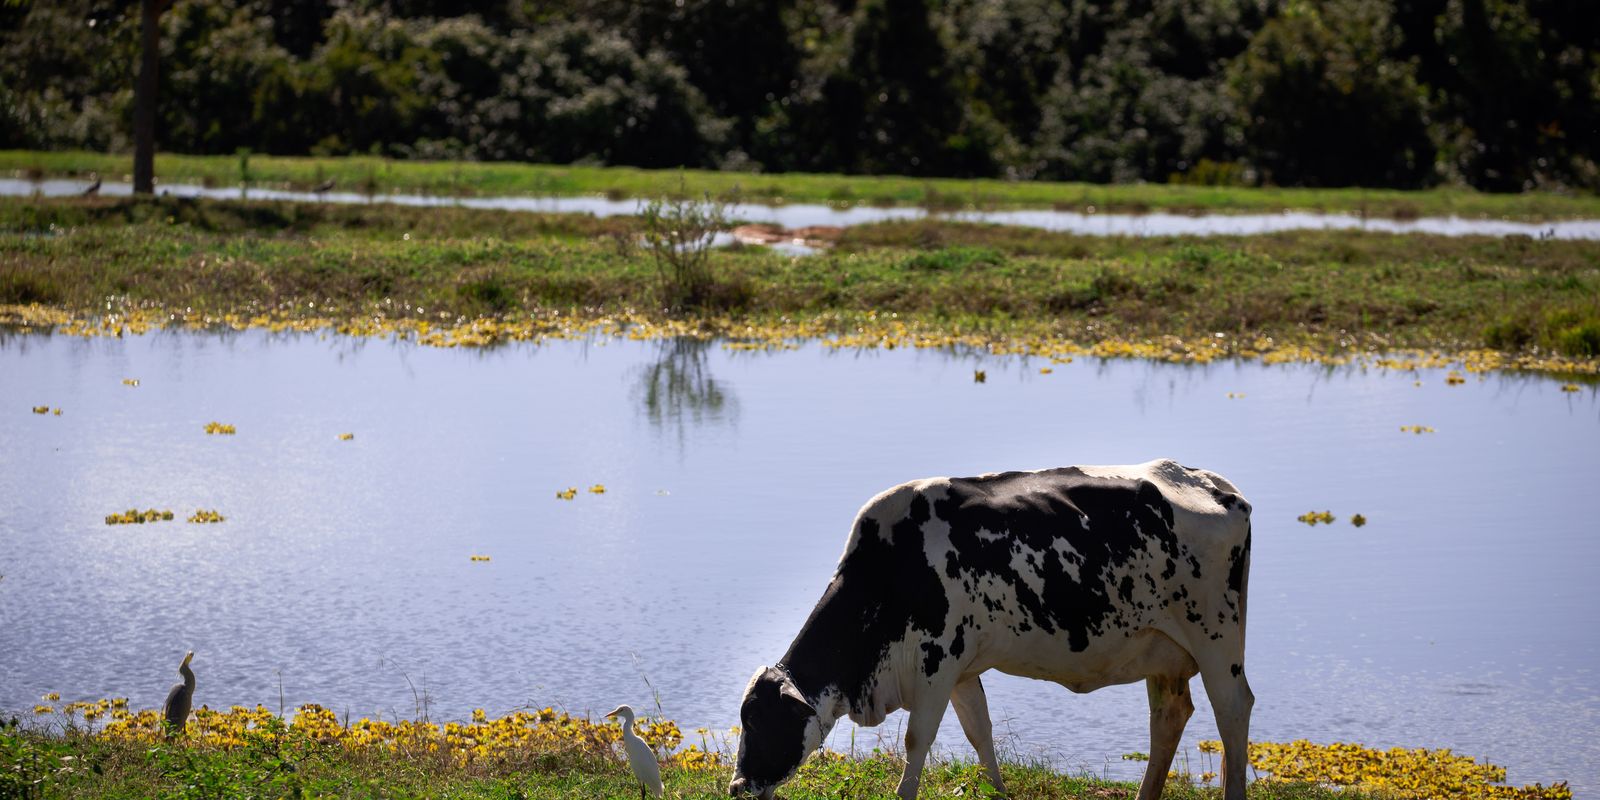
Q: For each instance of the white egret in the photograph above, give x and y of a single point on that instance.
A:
(179, 698)
(640, 757)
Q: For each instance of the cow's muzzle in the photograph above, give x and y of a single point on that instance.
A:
(740, 787)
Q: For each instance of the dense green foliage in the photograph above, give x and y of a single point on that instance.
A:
(1498, 94)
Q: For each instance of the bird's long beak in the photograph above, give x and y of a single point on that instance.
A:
(613, 713)
(187, 657)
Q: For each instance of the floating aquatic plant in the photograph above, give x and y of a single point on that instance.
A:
(598, 488)
(1417, 429)
(130, 381)
(830, 330)
(568, 493)
(517, 735)
(205, 516)
(219, 428)
(41, 409)
(134, 516)
(1358, 520)
(1312, 518)
(1402, 773)
(345, 437)
(478, 558)
(979, 376)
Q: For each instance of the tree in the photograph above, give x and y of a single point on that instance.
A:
(1325, 103)
(144, 97)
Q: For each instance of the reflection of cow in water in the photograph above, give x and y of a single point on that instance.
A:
(1086, 576)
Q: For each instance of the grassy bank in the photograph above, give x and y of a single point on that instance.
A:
(84, 767)
(383, 176)
(101, 749)
(1332, 292)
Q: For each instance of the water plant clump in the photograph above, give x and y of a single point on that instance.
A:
(203, 516)
(483, 739)
(134, 516)
(1313, 518)
(1419, 429)
(219, 428)
(1398, 772)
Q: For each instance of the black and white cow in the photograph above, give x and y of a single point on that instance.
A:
(1086, 576)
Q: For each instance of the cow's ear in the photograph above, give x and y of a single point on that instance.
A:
(789, 690)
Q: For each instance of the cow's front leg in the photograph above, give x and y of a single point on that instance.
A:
(921, 726)
(1170, 708)
(972, 708)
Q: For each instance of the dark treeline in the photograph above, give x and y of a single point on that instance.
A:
(1496, 94)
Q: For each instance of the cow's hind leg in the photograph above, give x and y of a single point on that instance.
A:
(1232, 700)
(1170, 707)
(972, 708)
(921, 726)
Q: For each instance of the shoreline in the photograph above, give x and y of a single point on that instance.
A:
(115, 751)
(864, 332)
(370, 175)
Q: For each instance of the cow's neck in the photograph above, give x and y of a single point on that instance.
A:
(840, 674)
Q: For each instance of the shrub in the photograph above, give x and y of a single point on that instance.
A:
(679, 232)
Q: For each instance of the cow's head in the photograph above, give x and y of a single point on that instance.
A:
(780, 728)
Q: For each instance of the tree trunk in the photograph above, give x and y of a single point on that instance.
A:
(144, 100)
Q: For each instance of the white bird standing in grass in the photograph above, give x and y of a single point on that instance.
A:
(640, 757)
(176, 709)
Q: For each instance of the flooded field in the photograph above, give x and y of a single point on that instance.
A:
(801, 215)
(344, 570)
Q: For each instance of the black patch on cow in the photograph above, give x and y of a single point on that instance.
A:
(1171, 570)
(1237, 558)
(1108, 522)
(1125, 589)
(934, 657)
(1236, 670)
(882, 591)
(772, 744)
(958, 644)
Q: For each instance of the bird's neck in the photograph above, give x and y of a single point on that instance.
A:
(188, 675)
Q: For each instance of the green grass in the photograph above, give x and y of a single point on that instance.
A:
(1331, 290)
(365, 174)
(42, 765)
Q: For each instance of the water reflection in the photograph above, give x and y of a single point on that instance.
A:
(678, 392)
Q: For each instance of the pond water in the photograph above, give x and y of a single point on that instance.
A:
(800, 215)
(1462, 615)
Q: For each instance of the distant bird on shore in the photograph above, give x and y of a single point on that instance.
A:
(324, 187)
(640, 757)
(179, 699)
(94, 188)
